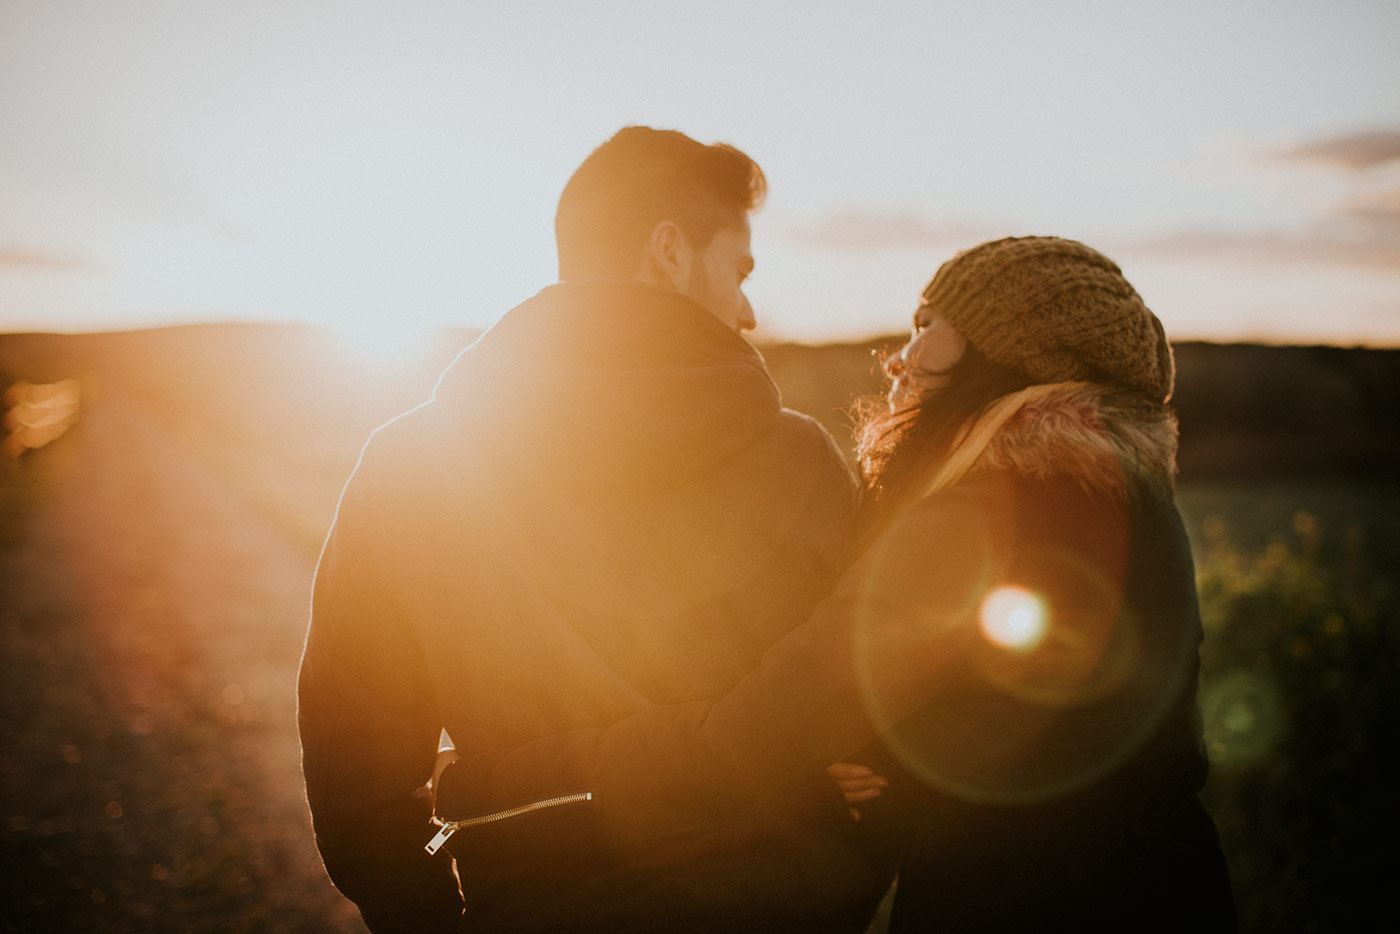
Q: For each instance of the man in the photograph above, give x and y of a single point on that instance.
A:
(603, 508)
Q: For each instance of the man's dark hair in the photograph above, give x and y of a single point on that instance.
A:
(638, 179)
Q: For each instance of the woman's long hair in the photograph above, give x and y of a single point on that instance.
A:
(898, 450)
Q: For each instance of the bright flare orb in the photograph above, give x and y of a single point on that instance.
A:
(1013, 618)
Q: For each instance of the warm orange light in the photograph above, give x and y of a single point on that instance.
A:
(383, 347)
(37, 413)
(1013, 618)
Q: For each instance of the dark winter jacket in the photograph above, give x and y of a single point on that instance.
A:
(603, 508)
(1045, 756)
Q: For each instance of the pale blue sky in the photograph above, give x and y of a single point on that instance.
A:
(382, 163)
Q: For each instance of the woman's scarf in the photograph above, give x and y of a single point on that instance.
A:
(977, 433)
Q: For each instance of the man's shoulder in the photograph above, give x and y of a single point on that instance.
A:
(392, 440)
(815, 442)
(807, 426)
(416, 450)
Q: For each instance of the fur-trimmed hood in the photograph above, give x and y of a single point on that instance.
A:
(1107, 440)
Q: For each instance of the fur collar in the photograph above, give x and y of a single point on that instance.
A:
(1106, 440)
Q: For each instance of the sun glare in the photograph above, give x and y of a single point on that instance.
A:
(382, 347)
(1013, 618)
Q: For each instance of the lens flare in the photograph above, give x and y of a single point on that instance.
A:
(1244, 717)
(1041, 678)
(1013, 618)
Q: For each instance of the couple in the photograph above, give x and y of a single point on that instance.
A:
(697, 678)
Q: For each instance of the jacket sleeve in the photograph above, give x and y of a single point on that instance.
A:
(895, 630)
(369, 732)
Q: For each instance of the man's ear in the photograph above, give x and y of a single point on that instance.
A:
(669, 257)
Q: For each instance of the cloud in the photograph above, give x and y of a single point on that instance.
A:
(1362, 230)
(1363, 233)
(1317, 247)
(1351, 151)
(1376, 213)
(20, 258)
(858, 229)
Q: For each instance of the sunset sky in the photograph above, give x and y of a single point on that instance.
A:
(394, 165)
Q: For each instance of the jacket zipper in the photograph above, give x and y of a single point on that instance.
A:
(449, 827)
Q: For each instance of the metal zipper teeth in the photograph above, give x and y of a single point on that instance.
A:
(517, 811)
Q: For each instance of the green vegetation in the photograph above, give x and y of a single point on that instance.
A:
(1301, 653)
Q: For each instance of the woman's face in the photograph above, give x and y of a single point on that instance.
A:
(923, 363)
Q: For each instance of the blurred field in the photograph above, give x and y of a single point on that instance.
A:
(155, 564)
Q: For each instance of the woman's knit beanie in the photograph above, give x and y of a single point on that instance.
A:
(1054, 310)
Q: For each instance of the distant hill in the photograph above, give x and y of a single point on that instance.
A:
(280, 411)
(1246, 410)
(1250, 410)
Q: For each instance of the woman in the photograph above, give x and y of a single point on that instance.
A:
(1020, 632)
(1056, 769)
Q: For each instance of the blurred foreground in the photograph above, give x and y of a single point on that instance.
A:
(156, 559)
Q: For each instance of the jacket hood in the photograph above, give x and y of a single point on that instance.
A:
(639, 385)
(1104, 439)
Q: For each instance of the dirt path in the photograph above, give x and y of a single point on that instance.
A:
(152, 622)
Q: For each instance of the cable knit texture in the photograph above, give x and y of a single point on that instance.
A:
(1054, 310)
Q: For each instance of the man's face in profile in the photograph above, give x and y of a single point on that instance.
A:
(717, 277)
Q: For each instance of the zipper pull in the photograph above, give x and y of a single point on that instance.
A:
(448, 828)
(435, 844)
